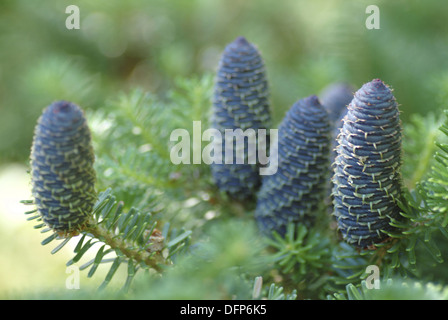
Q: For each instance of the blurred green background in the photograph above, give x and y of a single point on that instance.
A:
(122, 44)
(306, 45)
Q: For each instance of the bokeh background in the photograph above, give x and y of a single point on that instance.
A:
(121, 45)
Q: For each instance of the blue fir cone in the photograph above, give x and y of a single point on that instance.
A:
(241, 101)
(62, 173)
(294, 192)
(367, 179)
(335, 98)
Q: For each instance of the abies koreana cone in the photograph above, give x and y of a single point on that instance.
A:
(240, 101)
(294, 192)
(367, 179)
(62, 173)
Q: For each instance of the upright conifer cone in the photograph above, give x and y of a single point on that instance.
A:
(335, 98)
(294, 192)
(367, 179)
(241, 101)
(62, 173)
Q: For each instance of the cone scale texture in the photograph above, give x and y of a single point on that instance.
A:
(62, 174)
(295, 191)
(367, 180)
(241, 101)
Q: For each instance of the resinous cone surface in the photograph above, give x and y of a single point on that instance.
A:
(62, 174)
(294, 192)
(367, 180)
(241, 101)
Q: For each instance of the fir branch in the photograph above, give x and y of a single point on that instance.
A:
(419, 145)
(277, 293)
(414, 236)
(127, 248)
(121, 236)
(134, 108)
(437, 184)
(131, 236)
(393, 289)
(132, 139)
(300, 249)
(217, 266)
(192, 99)
(140, 166)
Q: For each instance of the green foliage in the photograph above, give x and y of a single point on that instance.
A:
(134, 136)
(437, 184)
(217, 266)
(418, 250)
(149, 43)
(166, 226)
(301, 251)
(128, 238)
(276, 293)
(394, 290)
(420, 134)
